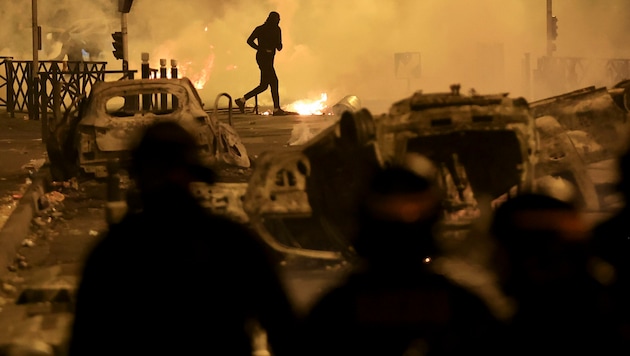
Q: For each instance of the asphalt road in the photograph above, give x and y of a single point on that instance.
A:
(65, 231)
(262, 132)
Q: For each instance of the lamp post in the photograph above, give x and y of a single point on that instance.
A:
(123, 28)
(35, 39)
(35, 66)
(124, 6)
(552, 28)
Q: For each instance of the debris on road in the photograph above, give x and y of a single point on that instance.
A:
(9, 288)
(222, 198)
(34, 165)
(28, 243)
(300, 134)
(71, 183)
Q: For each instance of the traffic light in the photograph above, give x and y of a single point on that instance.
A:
(118, 51)
(554, 27)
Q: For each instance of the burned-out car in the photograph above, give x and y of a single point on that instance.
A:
(482, 149)
(108, 121)
(579, 132)
(482, 146)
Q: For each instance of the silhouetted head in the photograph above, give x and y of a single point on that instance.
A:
(273, 18)
(541, 241)
(397, 217)
(167, 154)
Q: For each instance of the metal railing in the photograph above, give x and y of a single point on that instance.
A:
(557, 75)
(19, 92)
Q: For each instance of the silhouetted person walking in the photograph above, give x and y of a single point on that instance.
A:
(266, 39)
(395, 303)
(172, 279)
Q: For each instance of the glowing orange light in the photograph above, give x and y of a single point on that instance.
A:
(199, 78)
(309, 107)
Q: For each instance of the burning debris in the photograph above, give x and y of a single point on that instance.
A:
(310, 107)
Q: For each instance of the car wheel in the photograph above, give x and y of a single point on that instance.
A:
(357, 128)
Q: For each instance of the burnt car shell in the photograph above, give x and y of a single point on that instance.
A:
(580, 129)
(492, 137)
(111, 118)
(484, 145)
(600, 111)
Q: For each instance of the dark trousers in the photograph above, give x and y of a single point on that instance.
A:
(268, 77)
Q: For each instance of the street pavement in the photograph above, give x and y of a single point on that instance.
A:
(70, 216)
(73, 214)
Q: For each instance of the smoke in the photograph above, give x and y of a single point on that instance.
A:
(89, 22)
(339, 47)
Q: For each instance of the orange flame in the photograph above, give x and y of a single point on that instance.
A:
(200, 78)
(309, 107)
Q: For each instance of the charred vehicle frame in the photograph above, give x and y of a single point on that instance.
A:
(102, 127)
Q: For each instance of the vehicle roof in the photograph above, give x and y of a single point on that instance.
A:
(101, 86)
(113, 88)
(448, 111)
(421, 101)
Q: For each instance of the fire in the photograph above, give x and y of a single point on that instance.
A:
(309, 107)
(200, 78)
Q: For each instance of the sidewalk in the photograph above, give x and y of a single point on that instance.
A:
(22, 154)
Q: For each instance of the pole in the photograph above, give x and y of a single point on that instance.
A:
(123, 29)
(146, 73)
(35, 66)
(163, 74)
(549, 24)
(174, 75)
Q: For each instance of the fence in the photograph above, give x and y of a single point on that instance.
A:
(558, 75)
(60, 83)
(19, 93)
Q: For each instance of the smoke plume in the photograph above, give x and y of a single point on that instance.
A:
(337, 47)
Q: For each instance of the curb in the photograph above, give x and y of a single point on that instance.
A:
(18, 225)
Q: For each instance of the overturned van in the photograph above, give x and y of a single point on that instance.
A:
(483, 147)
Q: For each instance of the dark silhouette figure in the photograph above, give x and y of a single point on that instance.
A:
(611, 243)
(266, 39)
(172, 279)
(543, 264)
(394, 303)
